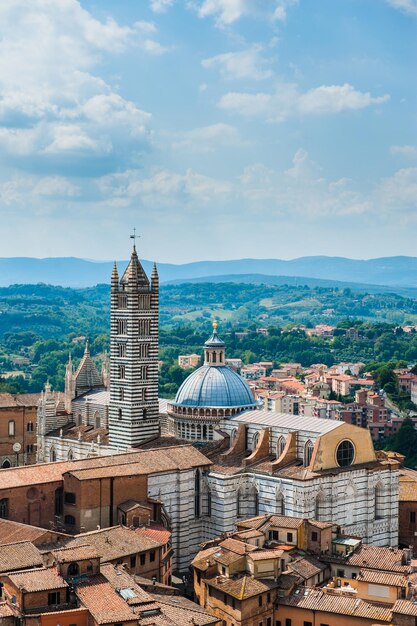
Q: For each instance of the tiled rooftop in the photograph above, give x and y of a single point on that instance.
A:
(22, 555)
(373, 557)
(104, 603)
(241, 588)
(114, 543)
(43, 579)
(75, 553)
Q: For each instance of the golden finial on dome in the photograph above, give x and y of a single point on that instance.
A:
(214, 324)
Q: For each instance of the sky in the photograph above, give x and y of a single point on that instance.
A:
(220, 129)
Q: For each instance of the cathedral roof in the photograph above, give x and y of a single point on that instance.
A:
(134, 273)
(87, 376)
(213, 387)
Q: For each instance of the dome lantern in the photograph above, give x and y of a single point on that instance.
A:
(214, 352)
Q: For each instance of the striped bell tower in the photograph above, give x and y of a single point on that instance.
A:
(133, 411)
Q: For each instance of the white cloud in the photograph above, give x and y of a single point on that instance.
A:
(164, 189)
(398, 193)
(287, 101)
(238, 65)
(407, 151)
(408, 6)
(51, 102)
(227, 12)
(208, 138)
(160, 6)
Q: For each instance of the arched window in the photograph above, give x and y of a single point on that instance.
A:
(239, 504)
(280, 446)
(204, 432)
(97, 419)
(69, 520)
(210, 432)
(52, 454)
(206, 501)
(379, 501)
(233, 435)
(214, 357)
(120, 414)
(255, 440)
(79, 419)
(73, 569)
(144, 414)
(29, 427)
(192, 431)
(12, 428)
(280, 508)
(70, 455)
(6, 463)
(320, 508)
(197, 494)
(308, 453)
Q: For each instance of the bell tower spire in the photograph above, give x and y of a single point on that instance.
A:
(134, 408)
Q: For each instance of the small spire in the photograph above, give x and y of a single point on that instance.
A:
(215, 325)
(114, 273)
(154, 270)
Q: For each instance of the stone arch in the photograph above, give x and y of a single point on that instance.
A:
(52, 454)
(379, 500)
(255, 439)
(206, 500)
(280, 445)
(70, 455)
(280, 503)
(97, 421)
(233, 435)
(308, 453)
(6, 463)
(79, 419)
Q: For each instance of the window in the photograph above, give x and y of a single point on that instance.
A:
(314, 536)
(29, 427)
(4, 508)
(260, 600)
(340, 573)
(121, 394)
(289, 536)
(345, 453)
(269, 621)
(288, 622)
(73, 569)
(122, 372)
(308, 453)
(143, 350)
(29, 448)
(152, 556)
(268, 597)
(133, 561)
(379, 502)
(412, 517)
(120, 415)
(121, 349)
(69, 497)
(69, 520)
(308, 624)
(12, 428)
(197, 493)
(278, 622)
(280, 446)
(122, 301)
(144, 327)
(225, 599)
(142, 559)
(54, 597)
(121, 327)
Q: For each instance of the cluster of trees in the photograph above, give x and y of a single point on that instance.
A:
(405, 442)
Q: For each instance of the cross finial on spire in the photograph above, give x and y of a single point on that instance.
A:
(214, 324)
(134, 237)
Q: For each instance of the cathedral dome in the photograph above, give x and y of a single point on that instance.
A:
(213, 387)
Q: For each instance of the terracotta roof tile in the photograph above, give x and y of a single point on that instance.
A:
(104, 603)
(374, 557)
(75, 553)
(160, 534)
(13, 532)
(382, 578)
(115, 543)
(405, 607)
(22, 555)
(41, 579)
(241, 588)
(317, 600)
(261, 555)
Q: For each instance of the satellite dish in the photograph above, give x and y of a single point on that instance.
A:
(17, 447)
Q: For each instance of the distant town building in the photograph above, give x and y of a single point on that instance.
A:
(187, 361)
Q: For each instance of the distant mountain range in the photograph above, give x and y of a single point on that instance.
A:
(390, 272)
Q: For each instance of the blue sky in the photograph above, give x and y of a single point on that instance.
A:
(219, 128)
